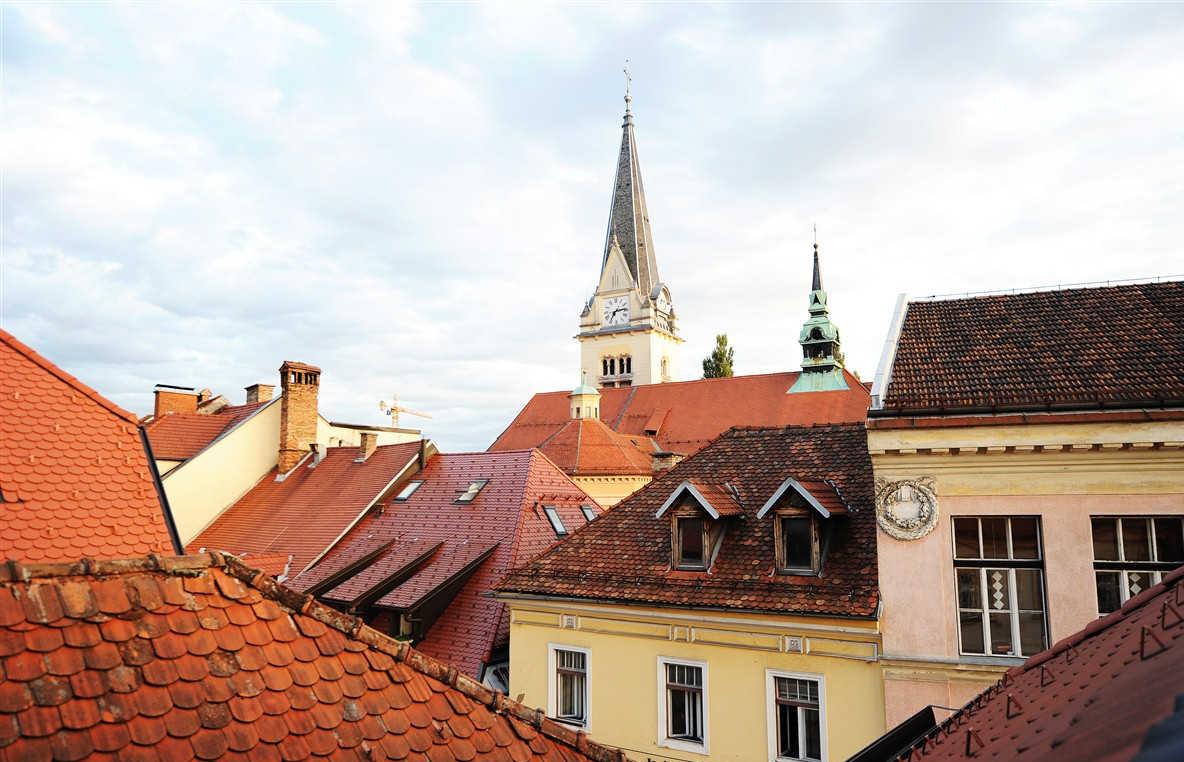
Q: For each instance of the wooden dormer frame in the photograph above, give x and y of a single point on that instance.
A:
(817, 535)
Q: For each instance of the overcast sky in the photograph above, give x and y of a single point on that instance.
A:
(414, 198)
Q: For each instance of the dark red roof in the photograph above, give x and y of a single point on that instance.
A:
(74, 477)
(684, 416)
(588, 447)
(625, 555)
(202, 657)
(180, 436)
(503, 526)
(1109, 692)
(1113, 346)
(310, 509)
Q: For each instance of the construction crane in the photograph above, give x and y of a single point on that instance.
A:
(394, 409)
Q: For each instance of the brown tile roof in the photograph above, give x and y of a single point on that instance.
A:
(696, 412)
(306, 512)
(180, 436)
(74, 477)
(1114, 346)
(202, 657)
(587, 447)
(713, 498)
(625, 555)
(503, 526)
(1109, 692)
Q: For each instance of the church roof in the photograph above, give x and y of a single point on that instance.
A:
(588, 447)
(628, 218)
(1118, 346)
(684, 416)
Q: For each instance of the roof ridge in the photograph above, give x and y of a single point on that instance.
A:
(68, 379)
(351, 626)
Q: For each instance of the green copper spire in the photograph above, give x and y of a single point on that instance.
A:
(822, 370)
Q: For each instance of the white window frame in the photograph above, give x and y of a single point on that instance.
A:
(555, 520)
(1124, 583)
(676, 743)
(589, 514)
(552, 696)
(771, 676)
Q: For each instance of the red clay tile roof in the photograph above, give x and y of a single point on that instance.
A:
(1121, 345)
(506, 516)
(587, 447)
(202, 657)
(1107, 692)
(399, 561)
(180, 436)
(719, 501)
(74, 477)
(278, 565)
(698, 411)
(306, 512)
(625, 555)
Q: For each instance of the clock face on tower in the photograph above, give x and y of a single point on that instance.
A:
(616, 310)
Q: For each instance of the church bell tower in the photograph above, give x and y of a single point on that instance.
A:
(627, 328)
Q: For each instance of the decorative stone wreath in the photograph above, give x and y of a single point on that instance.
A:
(906, 508)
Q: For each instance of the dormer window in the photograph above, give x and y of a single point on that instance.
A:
(797, 543)
(471, 493)
(408, 491)
(690, 542)
(552, 514)
(803, 513)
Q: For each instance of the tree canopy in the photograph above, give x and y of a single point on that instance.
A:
(718, 364)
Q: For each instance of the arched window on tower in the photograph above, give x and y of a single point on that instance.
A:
(626, 364)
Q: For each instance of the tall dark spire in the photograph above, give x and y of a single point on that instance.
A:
(628, 218)
(817, 285)
(822, 364)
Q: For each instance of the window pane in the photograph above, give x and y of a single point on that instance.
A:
(966, 538)
(1136, 544)
(998, 590)
(1029, 594)
(1109, 598)
(970, 594)
(1105, 539)
(972, 632)
(797, 543)
(787, 731)
(1025, 537)
(1032, 633)
(994, 537)
(1169, 540)
(678, 713)
(690, 534)
(1137, 582)
(813, 734)
(1001, 634)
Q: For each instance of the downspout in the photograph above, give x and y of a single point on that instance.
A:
(178, 548)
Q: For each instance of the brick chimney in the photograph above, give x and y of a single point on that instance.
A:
(259, 393)
(299, 383)
(173, 399)
(366, 448)
(665, 460)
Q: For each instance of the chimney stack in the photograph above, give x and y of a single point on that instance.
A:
(299, 383)
(366, 448)
(259, 393)
(173, 399)
(666, 460)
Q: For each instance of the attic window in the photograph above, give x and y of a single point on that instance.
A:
(690, 543)
(556, 522)
(408, 491)
(589, 514)
(469, 494)
(797, 543)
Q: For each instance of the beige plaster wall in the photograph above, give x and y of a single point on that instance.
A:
(610, 490)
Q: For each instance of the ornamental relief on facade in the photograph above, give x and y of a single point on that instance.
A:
(906, 508)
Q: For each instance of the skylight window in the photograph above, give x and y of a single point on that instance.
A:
(556, 522)
(589, 514)
(469, 494)
(408, 491)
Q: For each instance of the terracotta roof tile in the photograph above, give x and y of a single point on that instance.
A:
(1120, 345)
(310, 509)
(587, 447)
(503, 526)
(180, 436)
(1108, 692)
(625, 555)
(74, 477)
(361, 695)
(696, 411)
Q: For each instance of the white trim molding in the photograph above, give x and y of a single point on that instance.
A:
(674, 743)
(552, 675)
(771, 676)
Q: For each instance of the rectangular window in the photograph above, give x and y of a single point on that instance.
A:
(471, 493)
(556, 522)
(797, 544)
(691, 547)
(683, 713)
(407, 491)
(795, 717)
(569, 702)
(589, 514)
(1131, 553)
(999, 573)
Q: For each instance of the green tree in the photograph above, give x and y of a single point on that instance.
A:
(718, 364)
